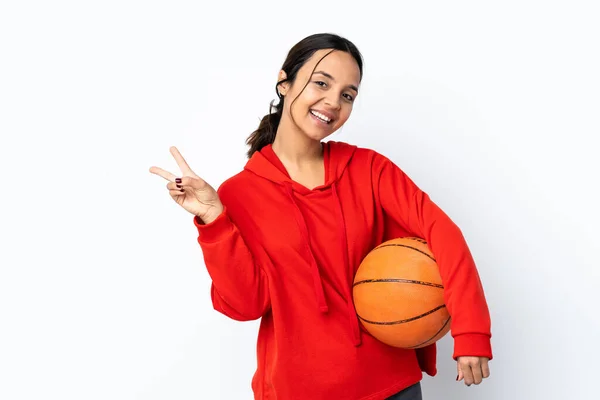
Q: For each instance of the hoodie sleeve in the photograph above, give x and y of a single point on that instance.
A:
(239, 287)
(405, 204)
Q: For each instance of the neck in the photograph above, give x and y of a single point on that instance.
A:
(295, 147)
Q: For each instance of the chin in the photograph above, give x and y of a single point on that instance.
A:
(318, 136)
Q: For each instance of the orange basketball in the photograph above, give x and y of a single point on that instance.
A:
(398, 294)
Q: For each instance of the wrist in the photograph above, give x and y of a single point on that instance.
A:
(212, 215)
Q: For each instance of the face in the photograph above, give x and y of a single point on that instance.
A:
(324, 105)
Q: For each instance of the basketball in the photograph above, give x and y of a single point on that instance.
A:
(398, 294)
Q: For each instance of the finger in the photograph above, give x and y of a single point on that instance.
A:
(459, 376)
(177, 192)
(468, 374)
(477, 374)
(175, 186)
(196, 183)
(165, 174)
(183, 165)
(485, 368)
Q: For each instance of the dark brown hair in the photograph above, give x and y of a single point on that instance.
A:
(296, 58)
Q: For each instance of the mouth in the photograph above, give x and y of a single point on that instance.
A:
(321, 117)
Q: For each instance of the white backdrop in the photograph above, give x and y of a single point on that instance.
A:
(491, 107)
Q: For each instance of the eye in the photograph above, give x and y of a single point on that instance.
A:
(348, 97)
(321, 83)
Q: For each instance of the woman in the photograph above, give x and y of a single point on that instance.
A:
(283, 238)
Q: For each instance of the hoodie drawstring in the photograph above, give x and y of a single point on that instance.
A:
(353, 319)
(316, 275)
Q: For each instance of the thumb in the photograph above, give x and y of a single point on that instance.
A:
(459, 376)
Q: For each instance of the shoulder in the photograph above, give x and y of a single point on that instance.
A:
(361, 155)
(375, 166)
(235, 185)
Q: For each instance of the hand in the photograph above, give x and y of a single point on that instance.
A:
(472, 369)
(190, 191)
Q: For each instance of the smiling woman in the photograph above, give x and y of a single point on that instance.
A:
(282, 241)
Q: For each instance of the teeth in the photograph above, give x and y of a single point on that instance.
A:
(320, 116)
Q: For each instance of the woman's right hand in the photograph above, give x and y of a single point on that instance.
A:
(190, 191)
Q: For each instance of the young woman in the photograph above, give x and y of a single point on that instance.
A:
(283, 238)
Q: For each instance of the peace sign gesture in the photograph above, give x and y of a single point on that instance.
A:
(190, 191)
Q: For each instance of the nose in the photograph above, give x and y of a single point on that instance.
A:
(333, 101)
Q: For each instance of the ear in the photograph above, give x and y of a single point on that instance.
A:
(282, 87)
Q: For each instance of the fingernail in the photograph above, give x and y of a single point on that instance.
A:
(456, 377)
(181, 190)
(178, 185)
(178, 180)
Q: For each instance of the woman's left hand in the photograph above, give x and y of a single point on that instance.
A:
(472, 369)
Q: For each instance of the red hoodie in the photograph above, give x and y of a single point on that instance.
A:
(288, 255)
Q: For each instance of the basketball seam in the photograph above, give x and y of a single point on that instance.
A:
(398, 280)
(406, 246)
(402, 321)
(423, 241)
(432, 337)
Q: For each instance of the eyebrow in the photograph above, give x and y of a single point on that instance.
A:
(333, 79)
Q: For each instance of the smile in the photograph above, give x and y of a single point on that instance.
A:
(320, 117)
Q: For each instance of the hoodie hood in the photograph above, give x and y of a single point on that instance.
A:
(336, 157)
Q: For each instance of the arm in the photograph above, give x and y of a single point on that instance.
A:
(405, 204)
(239, 285)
